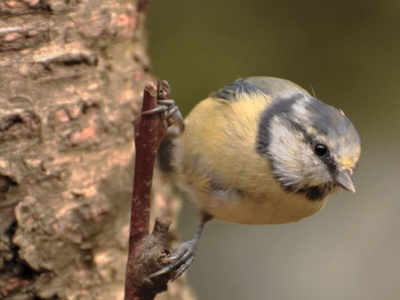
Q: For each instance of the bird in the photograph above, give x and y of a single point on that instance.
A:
(259, 151)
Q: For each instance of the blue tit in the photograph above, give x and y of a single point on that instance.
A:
(262, 150)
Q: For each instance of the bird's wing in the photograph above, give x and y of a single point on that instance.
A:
(270, 86)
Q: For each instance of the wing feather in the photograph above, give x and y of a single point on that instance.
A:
(270, 86)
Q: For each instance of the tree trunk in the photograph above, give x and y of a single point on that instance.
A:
(71, 81)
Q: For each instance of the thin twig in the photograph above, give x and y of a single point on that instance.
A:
(146, 250)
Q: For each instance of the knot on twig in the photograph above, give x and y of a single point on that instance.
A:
(160, 230)
(163, 90)
(149, 258)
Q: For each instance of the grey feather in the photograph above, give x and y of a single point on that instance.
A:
(268, 85)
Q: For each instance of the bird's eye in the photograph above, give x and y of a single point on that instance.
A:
(320, 150)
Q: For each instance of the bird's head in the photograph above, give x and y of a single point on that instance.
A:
(313, 148)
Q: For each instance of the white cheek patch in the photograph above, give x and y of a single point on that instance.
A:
(284, 153)
(293, 160)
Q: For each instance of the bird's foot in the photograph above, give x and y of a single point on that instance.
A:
(167, 106)
(180, 259)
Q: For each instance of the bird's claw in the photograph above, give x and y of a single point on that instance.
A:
(181, 260)
(171, 111)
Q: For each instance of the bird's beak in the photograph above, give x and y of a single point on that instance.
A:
(344, 180)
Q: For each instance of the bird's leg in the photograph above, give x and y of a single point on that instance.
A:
(184, 255)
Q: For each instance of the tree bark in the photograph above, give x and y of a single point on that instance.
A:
(71, 82)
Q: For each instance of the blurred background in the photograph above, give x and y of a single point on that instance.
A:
(349, 53)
